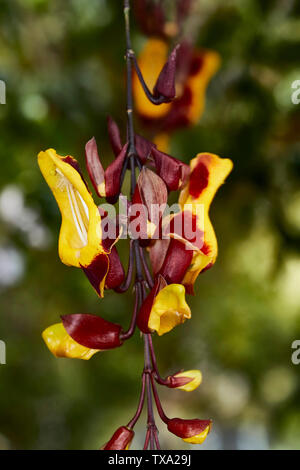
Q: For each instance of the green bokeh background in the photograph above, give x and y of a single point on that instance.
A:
(63, 66)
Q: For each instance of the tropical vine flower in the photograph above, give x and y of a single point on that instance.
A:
(166, 252)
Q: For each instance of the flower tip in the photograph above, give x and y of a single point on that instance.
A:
(60, 344)
(187, 380)
(165, 85)
(193, 431)
(120, 440)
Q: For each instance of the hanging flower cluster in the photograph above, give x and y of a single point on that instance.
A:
(167, 251)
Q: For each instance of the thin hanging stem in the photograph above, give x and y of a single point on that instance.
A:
(151, 97)
(126, 284)
(139, 257)
(132, 150)
(140, 407)
(150, 421)
(131, 330)
(160, 410)
(146, 268)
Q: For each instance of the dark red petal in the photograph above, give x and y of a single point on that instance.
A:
(113, 174)
(138, 217)
(175, 382)
(92, 331)
(198, 180)
(186, 428)
(176, 263)
(153, 193)
(96, 271)
(143, 148)
(93, 164)
(114, 136)
(145, 310)
(115, 275)
(165, 85)
(179, 114)
(158, 253)
(120, 440)
(169, 169)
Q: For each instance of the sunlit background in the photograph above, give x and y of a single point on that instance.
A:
(63, 66)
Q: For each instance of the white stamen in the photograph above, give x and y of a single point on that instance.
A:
(64, 183)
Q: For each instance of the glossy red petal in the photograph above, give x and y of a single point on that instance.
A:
(94, 167)
(120, 440)
(165, 85)
(114, 136)
(186, 428)
(92, 331)
(96, 271)
(113, 174)
(175, 382)
(176, 262)
(157, 253)
(143, 148)
(170, 169)
(115, 275)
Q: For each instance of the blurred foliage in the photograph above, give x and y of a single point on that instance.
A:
(64, 70)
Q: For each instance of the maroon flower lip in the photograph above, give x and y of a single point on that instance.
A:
(92, 331)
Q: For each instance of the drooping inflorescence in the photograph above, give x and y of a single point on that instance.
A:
(167, 250)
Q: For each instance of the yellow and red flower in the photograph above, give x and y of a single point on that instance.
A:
(195, 68)
(80, 336)
(193, 249)
(164, 308)
(80, 240)
(188, 380)
(193, 431)
(60, 343)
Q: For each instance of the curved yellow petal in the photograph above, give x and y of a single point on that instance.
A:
(199, 81)
(151, 61)
(169, 309)
(80, 233)
(196, 375)
(62, 345)
(208, 173)
(199, 438)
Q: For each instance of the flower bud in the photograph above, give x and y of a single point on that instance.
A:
(193, 431)
(165, 85)
(92, 331)
(188, 380)
(121, 439)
